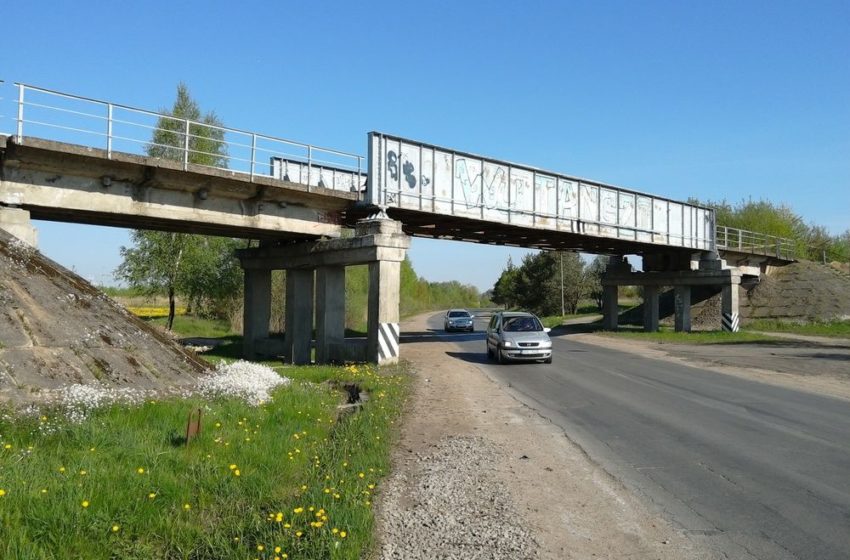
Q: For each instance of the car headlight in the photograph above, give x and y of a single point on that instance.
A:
(546, 344)
(507, 344)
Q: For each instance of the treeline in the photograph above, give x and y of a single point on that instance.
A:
(550, 283)
(813, 242)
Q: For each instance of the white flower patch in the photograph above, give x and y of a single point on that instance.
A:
(246, 380)
(80, 400)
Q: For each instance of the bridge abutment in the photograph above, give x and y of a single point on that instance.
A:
(17, 222)
(315, 279)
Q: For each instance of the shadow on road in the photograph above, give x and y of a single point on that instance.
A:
(439, 335)
(470, 357)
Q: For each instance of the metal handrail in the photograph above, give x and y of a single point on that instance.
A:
(754, 243)
(100, 124)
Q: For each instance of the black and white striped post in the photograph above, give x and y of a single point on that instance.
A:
(729, 309)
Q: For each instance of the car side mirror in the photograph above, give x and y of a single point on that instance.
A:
(547, 330)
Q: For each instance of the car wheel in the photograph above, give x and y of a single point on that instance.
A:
(489, 353)
(548, 360)
(501, 356)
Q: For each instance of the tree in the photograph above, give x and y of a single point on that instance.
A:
(201, 269)
(594, 279)
(206, 137)
(504, 290)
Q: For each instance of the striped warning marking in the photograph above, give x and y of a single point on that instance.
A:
(730, 322)
(388, 335)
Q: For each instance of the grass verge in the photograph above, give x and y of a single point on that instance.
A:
(838, 329)
(669, 336)
(287, 479)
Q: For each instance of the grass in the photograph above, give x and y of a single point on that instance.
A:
(120, 484)
(839, 329)
(668, 336)
(589, 310)
(191, 326)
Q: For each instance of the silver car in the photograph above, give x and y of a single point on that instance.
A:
(513, 335)
(459, 320)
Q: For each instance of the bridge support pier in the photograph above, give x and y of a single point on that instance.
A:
(610, 308)
(682, 308)
(650, 308)
(315, 272)
(298, 318)
(710, 272)
(729, 304)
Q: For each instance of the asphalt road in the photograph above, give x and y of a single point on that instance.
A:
(751, 470)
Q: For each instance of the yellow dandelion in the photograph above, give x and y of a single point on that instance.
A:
(260, 547)
(61, 469)
(298, 510)
(2, 492)
(277, 550)
(342, 534)
(334, 530)
(140, 470)
(237, 472)
(85, 503)
(298, 533)
(303, 486)
(361, 475)
(7, 446)
(232, 467)
(187, 507)
(152, 495)
(44, 490)
(116, 528)
(83, 473)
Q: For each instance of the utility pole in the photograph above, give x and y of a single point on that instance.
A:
(561, 255)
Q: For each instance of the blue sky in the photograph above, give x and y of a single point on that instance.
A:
(716, 100)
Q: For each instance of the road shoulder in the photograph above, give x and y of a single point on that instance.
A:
(477, 474)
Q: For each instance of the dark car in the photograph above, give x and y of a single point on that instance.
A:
(514, 335)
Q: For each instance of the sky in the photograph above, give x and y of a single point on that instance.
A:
(714, 100)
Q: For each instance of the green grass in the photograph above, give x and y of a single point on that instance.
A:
(190, 326)
(840, 329)
(668, 336)
(292, 452)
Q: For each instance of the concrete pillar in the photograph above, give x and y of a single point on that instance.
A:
(730, 308)
(650, 308)
(610, 308)
(17, 222)
(383, 332)
(298, 339)
(682, 304)
(330, 312)
(257, 310)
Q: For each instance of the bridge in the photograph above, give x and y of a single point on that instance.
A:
(76, 159)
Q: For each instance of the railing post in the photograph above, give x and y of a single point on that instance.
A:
(186, 148)
(309, 167)
(253, 153)
(740, 239)
(109, 131)
(20, 128)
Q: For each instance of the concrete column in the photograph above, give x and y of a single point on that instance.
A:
(730, 308)
(330, 312)
(650, 308)
(17, 222)
(257, 310)
(610, 308)
(682, 304)
(383, 332)
(298, 339)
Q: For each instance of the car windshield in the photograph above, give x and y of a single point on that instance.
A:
(458, 314)
(521, 324)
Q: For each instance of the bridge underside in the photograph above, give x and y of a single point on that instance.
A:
(68, 183)
(436, 226)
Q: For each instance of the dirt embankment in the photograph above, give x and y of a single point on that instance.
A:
(56, 329)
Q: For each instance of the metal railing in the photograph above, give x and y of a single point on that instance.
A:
(754, 243)
(62, 117)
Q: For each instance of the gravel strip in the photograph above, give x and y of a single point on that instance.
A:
(450, 505)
